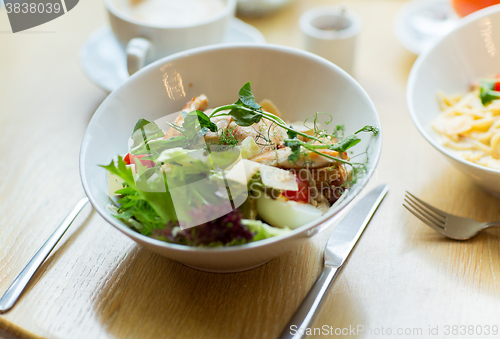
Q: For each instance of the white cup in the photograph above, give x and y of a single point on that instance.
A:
(145, 42)
(331, 35)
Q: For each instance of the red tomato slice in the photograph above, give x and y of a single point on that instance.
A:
(130, 159)
(302, 195)
(497, 85)
(127, 159)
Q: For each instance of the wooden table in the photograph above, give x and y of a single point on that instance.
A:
(99, 284)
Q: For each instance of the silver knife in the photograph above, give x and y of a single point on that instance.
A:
(338, 248)
(17, 287)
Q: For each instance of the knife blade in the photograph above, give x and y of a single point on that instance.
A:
(339, 246)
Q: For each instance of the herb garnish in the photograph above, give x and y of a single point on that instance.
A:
(486, 91)
(227, 139)
(247, 112)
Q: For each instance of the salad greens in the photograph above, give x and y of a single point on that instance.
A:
(151, 210)
(177, 182)
(144, 130)
(262, 230)
(487, 92)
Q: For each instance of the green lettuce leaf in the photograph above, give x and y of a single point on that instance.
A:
(263, 230)
(146, 198)
(145, 131)
(156, 146)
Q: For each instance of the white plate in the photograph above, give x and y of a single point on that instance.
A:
(103, 59)
(420, 23)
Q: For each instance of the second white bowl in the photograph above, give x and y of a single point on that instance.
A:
(469, 52)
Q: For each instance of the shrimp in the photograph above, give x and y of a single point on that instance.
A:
(197, 103)
(327, 180)
(279, 158)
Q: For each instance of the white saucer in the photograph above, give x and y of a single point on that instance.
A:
(419, 23)
(103, 60)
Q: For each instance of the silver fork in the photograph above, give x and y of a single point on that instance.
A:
(452, 226)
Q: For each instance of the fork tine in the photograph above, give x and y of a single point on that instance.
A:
(425, 214)
(432, 208)
(424, 209)
(424, 219)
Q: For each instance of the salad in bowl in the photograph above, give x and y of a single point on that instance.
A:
(230, 175)
(201, 169)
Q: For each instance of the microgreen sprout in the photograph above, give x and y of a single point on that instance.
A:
(247, 112)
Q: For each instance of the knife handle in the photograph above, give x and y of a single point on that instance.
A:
(304, 315)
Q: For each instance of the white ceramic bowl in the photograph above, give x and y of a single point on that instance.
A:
(299, 83)
(469, 52)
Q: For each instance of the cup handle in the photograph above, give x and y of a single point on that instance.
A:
(137, 51)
